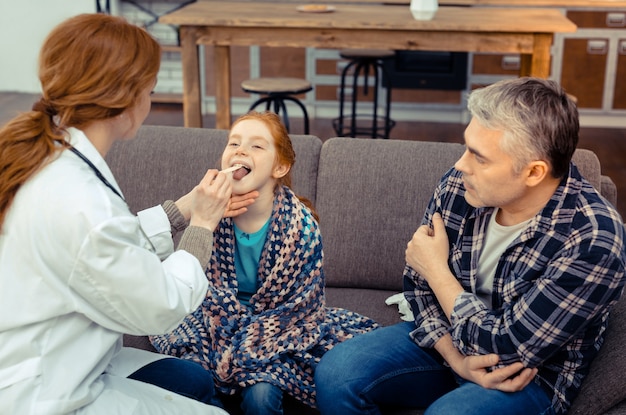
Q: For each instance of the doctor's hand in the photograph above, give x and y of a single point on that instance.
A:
(209, 200)
(239, 203)
(511, 378)
(427, 252)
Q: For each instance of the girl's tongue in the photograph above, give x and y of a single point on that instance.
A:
(240, 173)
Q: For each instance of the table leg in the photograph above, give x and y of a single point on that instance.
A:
(192, 110)
(538, 64)
(222, 87)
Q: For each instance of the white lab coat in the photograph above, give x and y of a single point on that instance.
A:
(77, 269)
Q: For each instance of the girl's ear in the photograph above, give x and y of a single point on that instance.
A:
(280, 170)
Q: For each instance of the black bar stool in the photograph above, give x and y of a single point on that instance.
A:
(364, 61)
(277, 91)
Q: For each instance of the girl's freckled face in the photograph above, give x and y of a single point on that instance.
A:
(251, 144)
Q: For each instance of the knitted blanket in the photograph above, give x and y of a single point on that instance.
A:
(282, 336)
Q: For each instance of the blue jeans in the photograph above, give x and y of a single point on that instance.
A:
(386, 368)
(180, 376)
(262, 399)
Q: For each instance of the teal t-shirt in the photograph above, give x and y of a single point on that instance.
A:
(248, 250)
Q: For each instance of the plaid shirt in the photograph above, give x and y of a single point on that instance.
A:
(553, 288)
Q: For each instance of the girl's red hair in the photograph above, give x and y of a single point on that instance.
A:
(285, 153)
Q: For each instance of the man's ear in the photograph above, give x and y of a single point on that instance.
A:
(536, 172)
(280, 170)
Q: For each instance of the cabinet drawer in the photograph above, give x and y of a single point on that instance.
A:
(495, 64)
(583, 71)
(598, 19)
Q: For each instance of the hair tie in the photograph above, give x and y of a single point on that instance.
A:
(44, 106)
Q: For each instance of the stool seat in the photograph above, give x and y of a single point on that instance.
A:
(276, 85)
(277, 90)
(366, 53)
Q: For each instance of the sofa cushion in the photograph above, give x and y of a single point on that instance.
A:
(304, 173)
(160, 154)
(371, 196)
(157, 165)
(604, 386)
(367, 302)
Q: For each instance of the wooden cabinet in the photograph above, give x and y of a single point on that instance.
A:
(583, 70)
(591, 59)
(590, 64)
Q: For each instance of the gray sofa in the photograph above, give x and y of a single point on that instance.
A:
(370, 195)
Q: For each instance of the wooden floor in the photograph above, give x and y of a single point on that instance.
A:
(608, 143)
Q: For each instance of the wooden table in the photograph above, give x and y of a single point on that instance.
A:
(595, 4)
(222, 24)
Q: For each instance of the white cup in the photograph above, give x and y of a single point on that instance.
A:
(424, 9)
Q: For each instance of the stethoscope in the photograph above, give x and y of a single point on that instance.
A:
(99, 174)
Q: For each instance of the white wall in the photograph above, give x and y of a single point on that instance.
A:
(24, 24)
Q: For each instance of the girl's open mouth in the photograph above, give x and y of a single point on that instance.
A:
(241, 172)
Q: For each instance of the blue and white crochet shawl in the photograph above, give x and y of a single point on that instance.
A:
(288, 328)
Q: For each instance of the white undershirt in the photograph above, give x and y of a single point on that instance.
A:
(497, 239)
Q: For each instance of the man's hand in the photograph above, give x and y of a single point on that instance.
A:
(511, 378)
(479, 369)
(239, 203)
(427, 253)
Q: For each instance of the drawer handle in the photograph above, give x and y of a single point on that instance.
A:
(616, 19)
(511, 62)
(597, 47)
(622, 47)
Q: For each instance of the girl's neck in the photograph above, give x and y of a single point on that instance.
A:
(257, 214)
